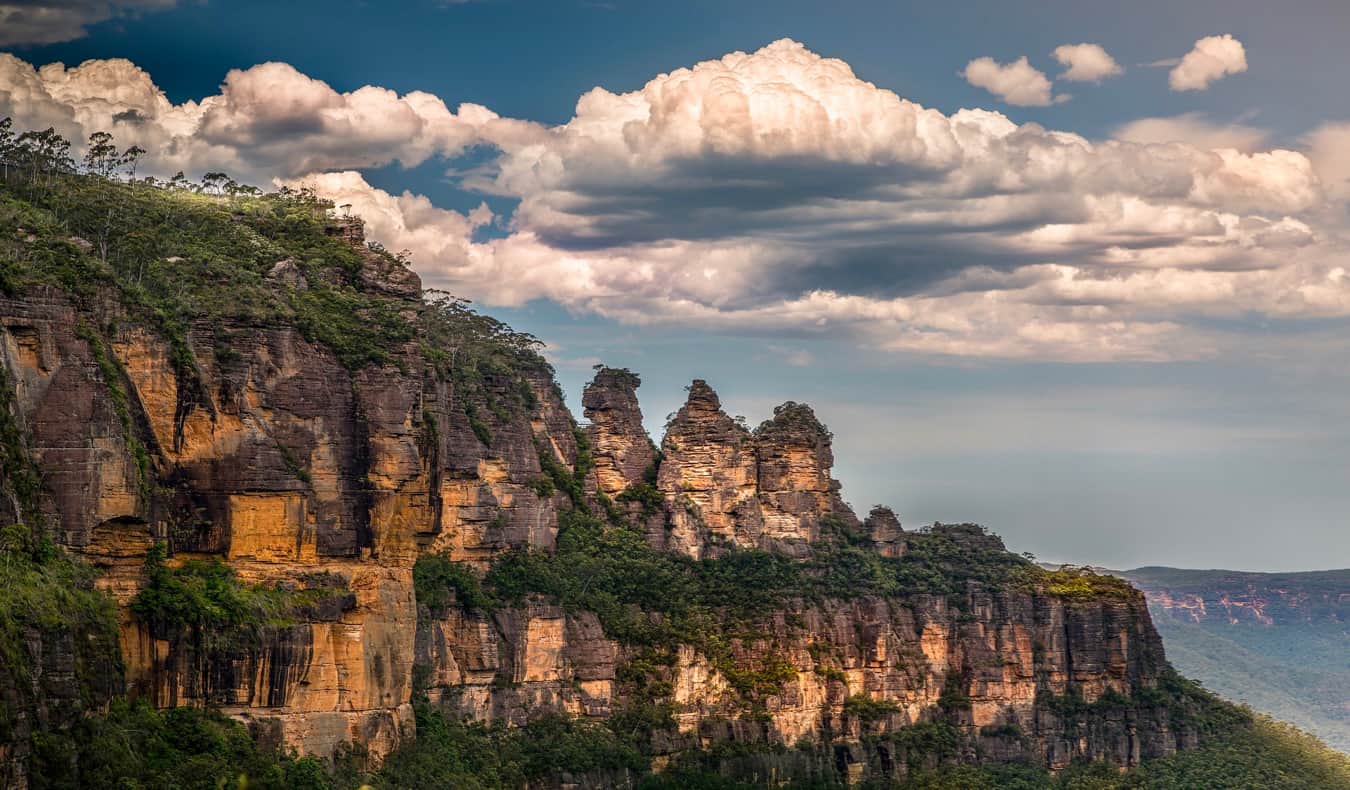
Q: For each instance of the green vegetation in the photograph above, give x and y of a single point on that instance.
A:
(1262, 755)
(645, 494)
(438, 582)
(134, 746)
(868, 709)
(450, 753)
(48, 604)
(203, 599)
(1075, 583)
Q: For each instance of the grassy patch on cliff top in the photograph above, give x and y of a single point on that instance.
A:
(178, 257)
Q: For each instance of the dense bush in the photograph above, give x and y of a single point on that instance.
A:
(205, 601)
(438, 582)
(133, 746)
(451, 753)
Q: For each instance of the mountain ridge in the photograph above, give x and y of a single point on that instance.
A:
(364, 523)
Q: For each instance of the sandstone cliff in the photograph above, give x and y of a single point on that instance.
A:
(324, 474)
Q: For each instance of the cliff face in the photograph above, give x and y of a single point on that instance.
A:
(309, 475)
(276, 458)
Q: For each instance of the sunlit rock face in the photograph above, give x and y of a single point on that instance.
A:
(709, 477)
(623, 453)
(795, 488)
(727, 487)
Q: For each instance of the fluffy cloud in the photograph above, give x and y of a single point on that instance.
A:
(776, 193)
(1329, 148)
(1194, 130)
(267, 121)
(1212, 58)
(1017, 83)
(53, 21)
(1086, 62)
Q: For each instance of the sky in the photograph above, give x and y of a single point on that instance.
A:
(1074, 271)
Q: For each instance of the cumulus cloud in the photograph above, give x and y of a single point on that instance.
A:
(1329, 147)
(776, 193)
(1212, 58)
(53, 21)
(1195, 130)
(1086, 62)
(1017, 83)
(267, 121)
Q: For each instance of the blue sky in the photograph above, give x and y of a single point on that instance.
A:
(1121, 353)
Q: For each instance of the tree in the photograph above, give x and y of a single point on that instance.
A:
(101, 157)
(217, 184)
(6, 144)
(44, 153)
(129, 159)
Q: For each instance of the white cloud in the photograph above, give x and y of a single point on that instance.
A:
(1212, 58)
(1194, 130)
(53, 21)
(1086, 62)
(267, 121)
(1329, 148)
(776, 193)
(1017, 83)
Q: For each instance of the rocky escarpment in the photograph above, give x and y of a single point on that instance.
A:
(396, 503)
(268, 452)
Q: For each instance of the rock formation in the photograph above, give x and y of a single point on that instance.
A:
(709, 477)
(257, 444)
(623, 453)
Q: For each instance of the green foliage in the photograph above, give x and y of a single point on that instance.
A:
(178, 258)
(1260, 755)
(489, 365)
(47, 600)
(646, 494)
(793, 416)
(543, 487)
(564, 479)
(439, 582)
(204, 599)
(1082, 583)
(868, 709)
(134, 746)
(953, 695)
(21, 477)
(293, 465)
(359, 329)
(451, 753)
(1001, 731)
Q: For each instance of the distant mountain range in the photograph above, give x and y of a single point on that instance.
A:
(1278, 641)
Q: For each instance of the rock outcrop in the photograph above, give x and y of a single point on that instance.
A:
(727, 487)
(709, 476)
(624, 455)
